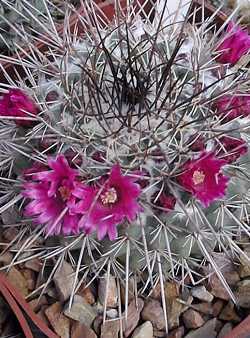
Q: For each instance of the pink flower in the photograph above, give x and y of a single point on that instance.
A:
(232, 148)
(202, 177)
(16, 103)
(235, 44)
(233, 106)
(164, 202)
(103, 208)
(51, 195)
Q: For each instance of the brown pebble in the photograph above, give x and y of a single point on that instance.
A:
(192, 319)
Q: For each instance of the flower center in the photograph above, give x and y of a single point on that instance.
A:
(65, 192)
(109, 197)
(198, 177)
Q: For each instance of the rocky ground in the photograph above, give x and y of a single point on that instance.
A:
(198, 311)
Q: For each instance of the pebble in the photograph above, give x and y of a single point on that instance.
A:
(225, 330)
(30, 277)
(81, 311)
(112, 313)
(143, 331)
(244, 269)
(201, 293)
(153, 311)
(217, 288)
(229, 314)
(37, 303)
(192, 319)
(58, 321)
(174, 307)
(133, 316)
(79, 330)
(111, 293)
(87, 294)
(131, 292)
(110, 329)
(64, 281)
(156, 292)
(17, 280)
(177, 333)
(217, 307)
(6, 258)
(206, 308)
(243, 293)
(33, 264)
(159, 334)
(206, 331)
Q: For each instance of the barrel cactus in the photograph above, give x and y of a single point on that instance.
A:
(131, 143)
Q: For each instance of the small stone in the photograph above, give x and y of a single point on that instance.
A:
(243, 293)
(201, 293)
(217, 288)
(6, 258)
(229, 314)
(217, 307)
(172, 290)
(33, 264)
(42, 316)
(87, 294)
(30, 277)
(17, 279)
(156, 292)
(177, 333)
(10, 234)
(81, 311)
(79, 330)
(111, 295)
(37, 303)
(131, 292)
(64, 280)
(133, 316)
(206, 331)
(153, 311)
(226, 267)
(159, 334)
(112, 313)
(144, 331)
(192, 319)
(244, 269)
(58, 321)
(174, 307)
(225, 330)
(206, 308)
(110, 329)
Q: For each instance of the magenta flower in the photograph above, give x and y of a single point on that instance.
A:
(235, 44)
(51, 195)
(233, 106)
(103, 208)
(16, 103)
(232, 148)
(202, 177)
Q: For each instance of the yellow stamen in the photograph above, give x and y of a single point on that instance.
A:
(65, 192)
(109, 197)
(198, 177)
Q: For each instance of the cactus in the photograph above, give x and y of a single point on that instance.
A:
(139, 105)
